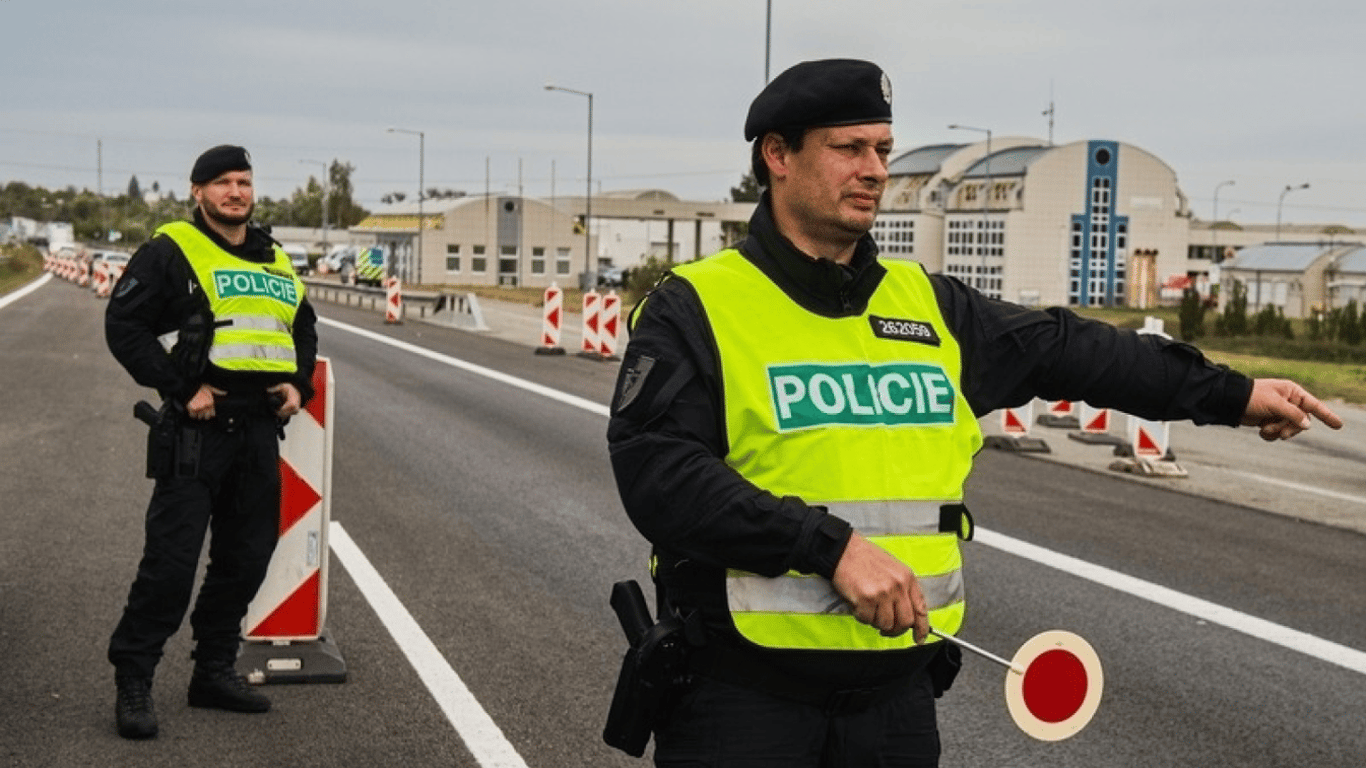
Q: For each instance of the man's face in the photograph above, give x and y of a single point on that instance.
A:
(833, 185)
(227, 199)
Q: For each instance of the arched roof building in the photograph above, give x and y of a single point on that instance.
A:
(1087, 223)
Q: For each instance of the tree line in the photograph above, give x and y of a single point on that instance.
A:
(130, 218)
(1327, 334)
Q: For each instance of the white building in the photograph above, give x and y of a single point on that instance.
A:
(1298, 278)
(1087, 223)
(510, 240)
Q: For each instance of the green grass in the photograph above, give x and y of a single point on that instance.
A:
(18, 265)
(1330, 370)
(1327, 381)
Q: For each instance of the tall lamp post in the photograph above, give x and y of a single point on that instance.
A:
(1214, 227)
(986, 197)
(1288, 189)
(589, 274)
(326, 185)
(421, 185)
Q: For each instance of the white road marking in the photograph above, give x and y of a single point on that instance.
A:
(482, 736)
(14, 296)
(455, 362)
(1293, 639)
(1293, 485)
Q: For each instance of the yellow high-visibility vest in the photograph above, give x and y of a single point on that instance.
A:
(253, 304)
(863, 415)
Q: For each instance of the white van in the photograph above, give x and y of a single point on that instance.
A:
(298, 256)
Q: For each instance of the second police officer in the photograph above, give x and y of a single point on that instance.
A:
(793, 425)
(242, 363)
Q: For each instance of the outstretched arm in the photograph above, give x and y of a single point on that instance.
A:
(1281, 409)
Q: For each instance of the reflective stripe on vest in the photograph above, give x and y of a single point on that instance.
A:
(253, 304)
(872, 425)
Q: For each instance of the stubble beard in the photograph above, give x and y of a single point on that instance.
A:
(212, 212)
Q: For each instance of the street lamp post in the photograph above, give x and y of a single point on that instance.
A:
(589, 274)
(326, 187)
(1214, 227)
(986, 197)
(421, 186)
(1288, 189)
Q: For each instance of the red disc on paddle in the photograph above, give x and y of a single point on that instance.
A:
(1059, 689)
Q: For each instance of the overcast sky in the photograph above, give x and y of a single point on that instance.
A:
(1266, 94)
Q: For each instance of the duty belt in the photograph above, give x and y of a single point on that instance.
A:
(738, 667)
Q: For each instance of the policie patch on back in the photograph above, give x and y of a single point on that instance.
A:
(904, 330)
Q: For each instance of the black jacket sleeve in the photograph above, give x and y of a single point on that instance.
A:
(305, 349)
(1012, 354)
(153, 297)
(667, 444)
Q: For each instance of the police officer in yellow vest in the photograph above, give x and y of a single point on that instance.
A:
(792, 428)
(241, 363)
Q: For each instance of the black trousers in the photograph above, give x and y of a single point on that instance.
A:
(720, 725)
(234, 496)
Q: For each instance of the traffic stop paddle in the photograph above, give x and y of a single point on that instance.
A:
(1053, 684)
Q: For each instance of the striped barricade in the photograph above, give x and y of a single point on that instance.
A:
(285, 625)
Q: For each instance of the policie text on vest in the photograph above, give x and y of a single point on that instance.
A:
(234, 283)
(894, 394)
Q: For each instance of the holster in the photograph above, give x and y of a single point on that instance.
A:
(944, 667)
(172, 445)
(653, 674)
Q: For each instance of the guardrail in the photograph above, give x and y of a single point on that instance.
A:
(459, 309)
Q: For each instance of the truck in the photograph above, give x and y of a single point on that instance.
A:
(371, 266)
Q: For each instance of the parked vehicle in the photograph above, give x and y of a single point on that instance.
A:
(112, 258)
(610, 277)
(298, 257)
(371, 266)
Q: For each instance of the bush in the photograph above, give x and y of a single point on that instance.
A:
(1349, 326)
(1233, 320)
(1192, 315)
(18, 264)
(642, 278)
(1272, 322)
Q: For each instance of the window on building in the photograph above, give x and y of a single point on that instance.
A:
(452, 257)
(562, 261)
(538, 260)
(478, 261)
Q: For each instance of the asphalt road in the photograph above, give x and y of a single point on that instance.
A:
(490, 513)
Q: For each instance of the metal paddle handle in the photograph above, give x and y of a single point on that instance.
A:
(980, 652)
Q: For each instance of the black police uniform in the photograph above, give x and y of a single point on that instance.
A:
(232, 490)
(667, 440)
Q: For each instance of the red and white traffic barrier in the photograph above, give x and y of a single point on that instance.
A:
(285, 623)
(609, 326)
(1094, 427)
(552, 318)
(1094, 421)
(1149, 442)
(1060, 414)
(100, 283)
(393, 301)
(592, 307)
(1014, 426)
(1149, 439)
(1015, 421)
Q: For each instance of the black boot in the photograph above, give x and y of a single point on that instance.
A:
(133, 710)
(218, 686)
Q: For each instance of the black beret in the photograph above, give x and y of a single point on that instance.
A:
(820, 93)
(218, 161)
